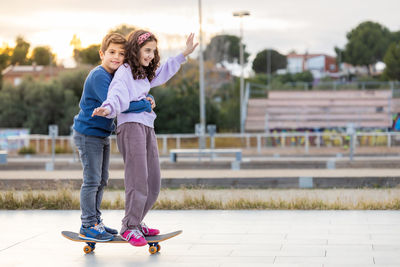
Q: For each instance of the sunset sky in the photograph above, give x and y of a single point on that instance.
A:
(315, 26)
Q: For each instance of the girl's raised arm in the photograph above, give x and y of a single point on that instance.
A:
(172, 65)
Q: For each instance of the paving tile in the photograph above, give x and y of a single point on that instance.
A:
(300, 260)
(392, 247)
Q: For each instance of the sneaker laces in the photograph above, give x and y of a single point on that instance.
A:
(144, 227)
(136, 233)
(99, 227)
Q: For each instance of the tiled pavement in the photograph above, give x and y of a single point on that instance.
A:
(212, 238)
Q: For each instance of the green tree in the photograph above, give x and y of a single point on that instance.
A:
(396, 37)
(74, 79)
(5, 57)
(89, 55)
(123, 29)
(225, 48)
(367, 44)
(392, 61)
(42, 55)
(228, 113)
(301, 77)
(260, 63)
(35, 104)
(305, 77)
(12, 103)
(49, 103)
(178, 102)
(20, 51)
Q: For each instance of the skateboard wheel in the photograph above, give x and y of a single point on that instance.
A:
(158, 247)
(152, 249)
(87, 249)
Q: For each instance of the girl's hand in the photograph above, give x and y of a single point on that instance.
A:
(102, 112)
(190, 46)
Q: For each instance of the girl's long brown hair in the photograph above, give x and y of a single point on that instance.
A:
(132, 56)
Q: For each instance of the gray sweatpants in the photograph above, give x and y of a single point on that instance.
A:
(138, 145)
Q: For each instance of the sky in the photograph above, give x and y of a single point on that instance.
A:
(313, 26)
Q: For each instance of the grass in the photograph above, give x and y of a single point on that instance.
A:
(230, 199)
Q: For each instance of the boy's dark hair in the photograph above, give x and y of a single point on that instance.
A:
(132, 56)
(114, 38)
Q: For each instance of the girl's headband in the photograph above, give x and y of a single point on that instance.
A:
(143, 37)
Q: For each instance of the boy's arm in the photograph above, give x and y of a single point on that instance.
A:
(102, 83)
(139, 106)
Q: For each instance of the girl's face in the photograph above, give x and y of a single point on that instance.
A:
(147, 53)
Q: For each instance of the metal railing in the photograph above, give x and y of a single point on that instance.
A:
(252, 141)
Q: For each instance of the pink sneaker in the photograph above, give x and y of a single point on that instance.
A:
(148, 231)
(134, 237)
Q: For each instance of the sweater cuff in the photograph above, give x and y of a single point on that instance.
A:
(109, 108)
(180, 58)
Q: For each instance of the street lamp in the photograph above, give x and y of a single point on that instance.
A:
(241, 14)
(202, 141)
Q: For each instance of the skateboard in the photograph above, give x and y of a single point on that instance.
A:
(152, 241)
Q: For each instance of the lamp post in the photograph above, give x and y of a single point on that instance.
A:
(202, 141)
(241, 14)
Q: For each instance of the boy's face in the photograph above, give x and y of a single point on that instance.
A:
(147, 53)
(113, 57)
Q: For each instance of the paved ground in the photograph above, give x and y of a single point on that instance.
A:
(213, 238)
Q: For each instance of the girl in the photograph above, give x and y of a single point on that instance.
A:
(135, 131)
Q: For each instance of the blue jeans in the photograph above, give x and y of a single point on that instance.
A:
(94, 153)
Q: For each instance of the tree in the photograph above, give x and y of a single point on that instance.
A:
(260, 63)
(5, 57)
(123, 29)
(76, 42)
(74, 79)
(392, 61)
(396, 36)
(178, 102)
(367, 44)
(13, 112)
(20, 51)
(47, 102)
(225, 48)
(88, 55)
(42, 55)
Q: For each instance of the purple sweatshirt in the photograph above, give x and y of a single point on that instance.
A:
(124, 89)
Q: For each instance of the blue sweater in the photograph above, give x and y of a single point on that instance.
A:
(94, 93)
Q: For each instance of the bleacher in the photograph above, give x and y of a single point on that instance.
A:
(293, 110)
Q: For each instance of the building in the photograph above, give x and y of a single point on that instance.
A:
(320, 65)
(15, 74)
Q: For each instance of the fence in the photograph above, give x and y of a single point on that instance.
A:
(41, 144)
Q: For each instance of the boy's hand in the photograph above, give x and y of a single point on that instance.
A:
(101, 111)
(152, 102)
(190, 46)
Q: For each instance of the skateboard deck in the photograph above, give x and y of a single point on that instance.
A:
(152, 241)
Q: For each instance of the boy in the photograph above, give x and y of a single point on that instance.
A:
(91, 136)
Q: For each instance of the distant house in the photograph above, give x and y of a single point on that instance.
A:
(320, 65)
(15, 74)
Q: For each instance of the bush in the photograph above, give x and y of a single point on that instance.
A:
(26, 150)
